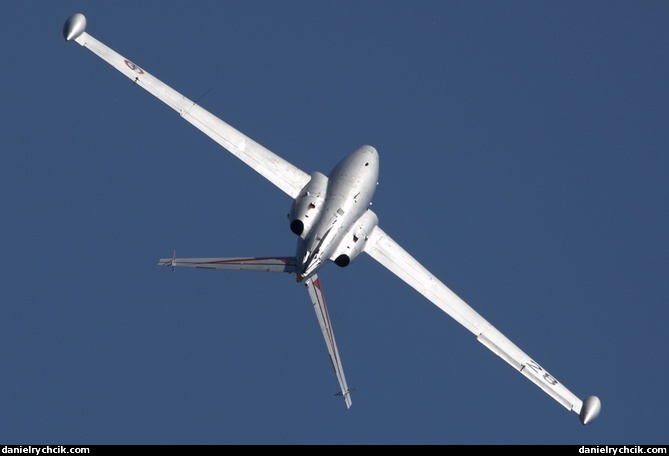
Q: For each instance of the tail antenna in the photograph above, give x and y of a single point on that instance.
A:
(174, 261)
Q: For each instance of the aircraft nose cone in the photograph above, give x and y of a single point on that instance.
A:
(370, 149)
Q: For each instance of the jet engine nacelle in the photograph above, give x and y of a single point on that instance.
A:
(353, 243)
(307, 206)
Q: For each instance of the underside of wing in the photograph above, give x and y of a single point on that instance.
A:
(281, 173)
(262, 264)
(316, 294)
(386, 251)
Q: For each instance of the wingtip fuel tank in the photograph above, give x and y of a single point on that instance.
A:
(74, 26)
(590, 410)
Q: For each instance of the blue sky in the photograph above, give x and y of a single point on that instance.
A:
(523, 150)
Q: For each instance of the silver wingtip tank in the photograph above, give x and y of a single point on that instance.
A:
(590, 410)
(74, 26)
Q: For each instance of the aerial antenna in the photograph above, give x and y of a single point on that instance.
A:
(197, 100)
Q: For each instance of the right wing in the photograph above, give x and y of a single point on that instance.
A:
(278, 171)
(316, 294)
(386, 251)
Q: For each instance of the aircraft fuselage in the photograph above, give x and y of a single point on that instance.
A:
(335, 212)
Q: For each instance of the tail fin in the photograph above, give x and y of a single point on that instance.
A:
(316, 294)
(263, 264)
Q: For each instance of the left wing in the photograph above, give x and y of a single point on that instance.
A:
(281, 173)
(386, 251)
(316, 294)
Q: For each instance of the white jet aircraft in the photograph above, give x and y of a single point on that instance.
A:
(333, 222)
